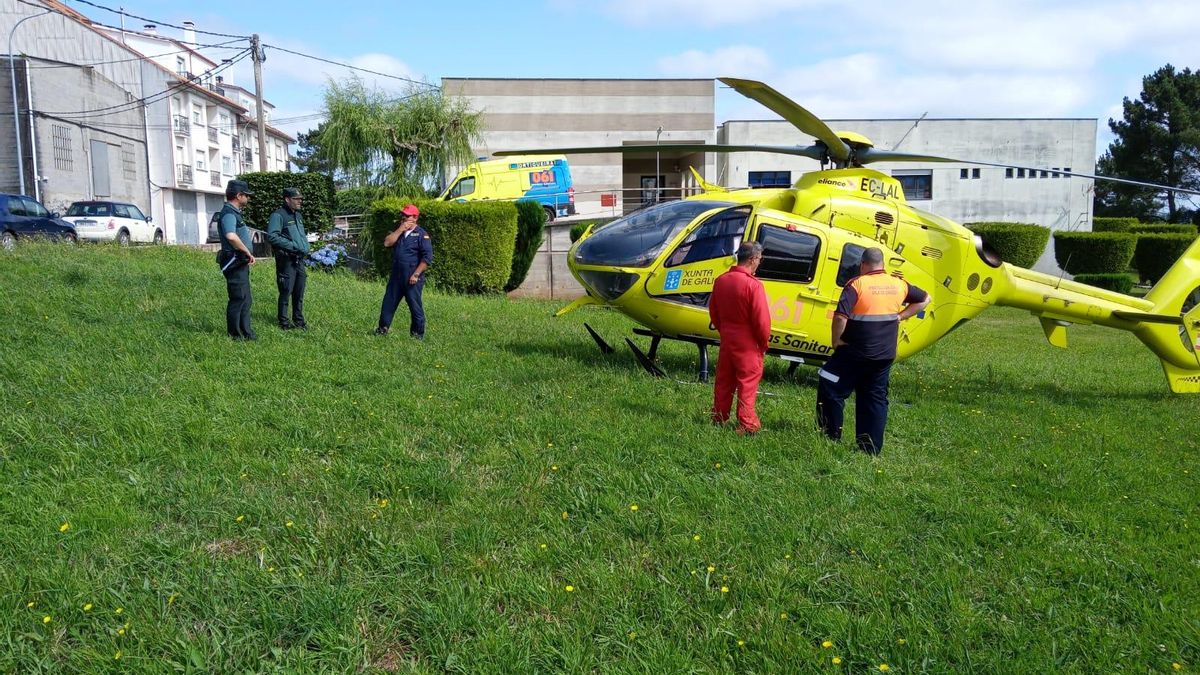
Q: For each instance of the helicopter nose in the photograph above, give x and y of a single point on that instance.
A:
(608, 285)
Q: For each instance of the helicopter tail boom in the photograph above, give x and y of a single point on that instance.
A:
(1167, 320)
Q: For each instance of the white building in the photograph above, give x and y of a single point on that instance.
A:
(200, 132)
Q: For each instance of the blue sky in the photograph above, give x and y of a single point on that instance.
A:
(863, 59)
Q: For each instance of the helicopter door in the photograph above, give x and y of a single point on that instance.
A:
(789, 271)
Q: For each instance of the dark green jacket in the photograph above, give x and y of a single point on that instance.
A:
(285, 231)
(229, 219)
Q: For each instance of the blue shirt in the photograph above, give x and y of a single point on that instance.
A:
(411, 249)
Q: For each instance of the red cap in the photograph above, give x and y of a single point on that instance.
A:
(411, 210)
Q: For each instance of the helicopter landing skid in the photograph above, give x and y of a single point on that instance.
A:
(605, 348)
(702, 345)
(646, 361)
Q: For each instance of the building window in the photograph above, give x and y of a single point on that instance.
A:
(199, 161)
(227, 165)
(128, 163)
(61, 135)
(1067, 169)
(962, 174)
(917, 184)
(770, 179)
(180, 65)
(1020, 173)
(197, 114)
(974, 173)
(1045, 174)
(226, 125)
(1008, 173)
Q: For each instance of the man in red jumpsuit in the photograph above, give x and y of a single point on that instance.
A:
(738, 310)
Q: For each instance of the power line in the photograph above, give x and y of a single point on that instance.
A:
(160, 23)
(346, 65)
(147, 100)
(223, 45)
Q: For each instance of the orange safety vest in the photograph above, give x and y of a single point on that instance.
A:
(880, 297)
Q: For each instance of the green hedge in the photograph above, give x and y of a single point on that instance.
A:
(472, 242)
(580, 227)
(1156, 253)
(1018, 243)
(1094, 252)
(1163, 228)
(1102, 224)
(531, 226)
(1121, 283)
(268, 195)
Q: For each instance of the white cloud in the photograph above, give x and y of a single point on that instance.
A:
(738, 60)
(705, 12)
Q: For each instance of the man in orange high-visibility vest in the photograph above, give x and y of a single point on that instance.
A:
(866, 328)
(738, 310)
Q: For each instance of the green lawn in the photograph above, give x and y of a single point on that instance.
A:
(337, 501)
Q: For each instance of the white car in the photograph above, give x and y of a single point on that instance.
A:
(112, 221)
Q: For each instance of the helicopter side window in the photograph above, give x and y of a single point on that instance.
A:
(718, 237)
(462, 188)
(788, 255)
(848, 265)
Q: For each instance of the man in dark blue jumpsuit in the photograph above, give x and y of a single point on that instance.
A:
(412, 254)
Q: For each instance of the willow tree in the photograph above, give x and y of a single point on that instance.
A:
(398, 143)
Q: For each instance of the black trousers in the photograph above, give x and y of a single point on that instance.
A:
(237, 312)
(291, 277)
(399, 289)
(868, 379)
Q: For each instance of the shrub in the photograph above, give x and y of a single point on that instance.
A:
(327, 258)
(472, 242)
(1018, 243)
(1163, 228)
(1121, 283)
(1156, 253)
(580, 227)
(1094, 252)
(1103, 224)
(268, 195)
(531, 225)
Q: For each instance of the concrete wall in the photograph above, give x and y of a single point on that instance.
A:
(1058, 203)
(535, 114)
(549, 276)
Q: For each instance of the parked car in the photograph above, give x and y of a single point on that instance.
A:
(112, 221)
(23, 217)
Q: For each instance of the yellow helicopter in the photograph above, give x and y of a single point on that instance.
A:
(658, 265)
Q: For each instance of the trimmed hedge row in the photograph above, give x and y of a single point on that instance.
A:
(1155, 253)
(1102, 224)
(1094, 252)
(1121, 283)
(268, 195)
(472, 242)
(1163, 228)
(1018, 243)
(531, 225)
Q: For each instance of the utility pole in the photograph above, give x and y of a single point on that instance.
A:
(257, 56)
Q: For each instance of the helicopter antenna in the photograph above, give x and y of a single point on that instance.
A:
(1062, 272)
(910, 130)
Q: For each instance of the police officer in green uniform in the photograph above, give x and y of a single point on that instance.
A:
(235, 259)
(285, 231)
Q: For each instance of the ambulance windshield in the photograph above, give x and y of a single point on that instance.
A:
(636, 240)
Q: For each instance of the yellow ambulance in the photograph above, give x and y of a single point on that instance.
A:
(545, 179)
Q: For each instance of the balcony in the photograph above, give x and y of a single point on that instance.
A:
(181, 124)
(183, 174)
(212, 134)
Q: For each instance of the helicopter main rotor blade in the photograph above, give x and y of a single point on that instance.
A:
(815, 152)
(870, 155)
(792, 112)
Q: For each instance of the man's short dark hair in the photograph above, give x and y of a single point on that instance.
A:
(872, 257)
(748, 251)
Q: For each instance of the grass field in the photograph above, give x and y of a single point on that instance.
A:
(502, 498)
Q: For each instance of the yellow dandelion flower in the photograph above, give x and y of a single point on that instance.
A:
(837, 660)
(633, 635)
(695, 537)
(570, 589)
(270, 569)
(827, 644)
(883, 668)
(383, 503)
(240, 518)
(171, 600)
(718, 465)
(549, 445)
(633, 507)
(374, 516)
(554, 467)
(244, 476)
(289, 523)
(87, 607)
(543, 547)
(118, 610)
(724, 589)
(564, 515)
(1177, 666)
(901, 641)
(711, 569)
(120, 631)
(788, 556)
(783, 615)
(46, 619)
(30, 604)
(64, 527)
(741, 643)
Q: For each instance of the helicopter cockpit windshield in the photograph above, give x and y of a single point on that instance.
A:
(636, 240)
